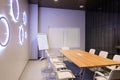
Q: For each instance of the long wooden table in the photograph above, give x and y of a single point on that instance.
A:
(85, 59)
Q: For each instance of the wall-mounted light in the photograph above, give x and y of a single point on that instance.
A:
(4, 32)
(21, 35)
(55, 0)
(24, 18)
(81, 6)
(14, 11)
(25, 35)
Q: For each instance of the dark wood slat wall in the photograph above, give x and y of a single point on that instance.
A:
(103, 29)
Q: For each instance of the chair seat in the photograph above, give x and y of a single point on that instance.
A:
(59, 65)
(112, 75)
(101, 77)
(55, 60)
(65, 75)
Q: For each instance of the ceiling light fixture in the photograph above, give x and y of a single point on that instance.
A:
(55, 0)
(81, 6)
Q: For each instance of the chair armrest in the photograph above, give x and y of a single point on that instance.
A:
(59, 63)
(99, 73)
(65, 70)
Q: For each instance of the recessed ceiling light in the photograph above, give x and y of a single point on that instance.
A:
(55, 0)
(81, 6)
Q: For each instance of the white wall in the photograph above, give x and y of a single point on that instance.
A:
(51, 17)
(33, 31)
(15, 55)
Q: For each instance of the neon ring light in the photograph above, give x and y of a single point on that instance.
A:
(4, 31)
(24, 18)
(15, 10)
(21, 35)
(25, 34)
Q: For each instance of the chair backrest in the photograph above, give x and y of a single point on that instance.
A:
(114, 75)
(92, 51)
(116, 58)
(103, 54)
(65, 48)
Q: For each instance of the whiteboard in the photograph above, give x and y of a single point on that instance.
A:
(72, 37)
(59, 37)
(42, 41)
(55, 37)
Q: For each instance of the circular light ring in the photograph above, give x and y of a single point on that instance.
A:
(21, 34)
(24, 18)
(25, 34)
(15, 10)
(5, 34)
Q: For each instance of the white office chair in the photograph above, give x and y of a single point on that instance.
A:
(55, 64)
(60, 69)
(65, 48)
(49, 72)
(115, 58)
(113, 75)
(92, 51)
(65, 75)
(54, 61)
(103, 54)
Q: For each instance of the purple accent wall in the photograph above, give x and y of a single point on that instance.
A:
(33, 31)
(51, 17)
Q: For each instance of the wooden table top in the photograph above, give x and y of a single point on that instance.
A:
(85, 59)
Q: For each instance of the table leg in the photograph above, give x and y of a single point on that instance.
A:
(81, 73)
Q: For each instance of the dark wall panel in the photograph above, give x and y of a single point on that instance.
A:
(102, 30)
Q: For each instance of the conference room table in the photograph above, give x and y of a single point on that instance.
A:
(85, 59)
